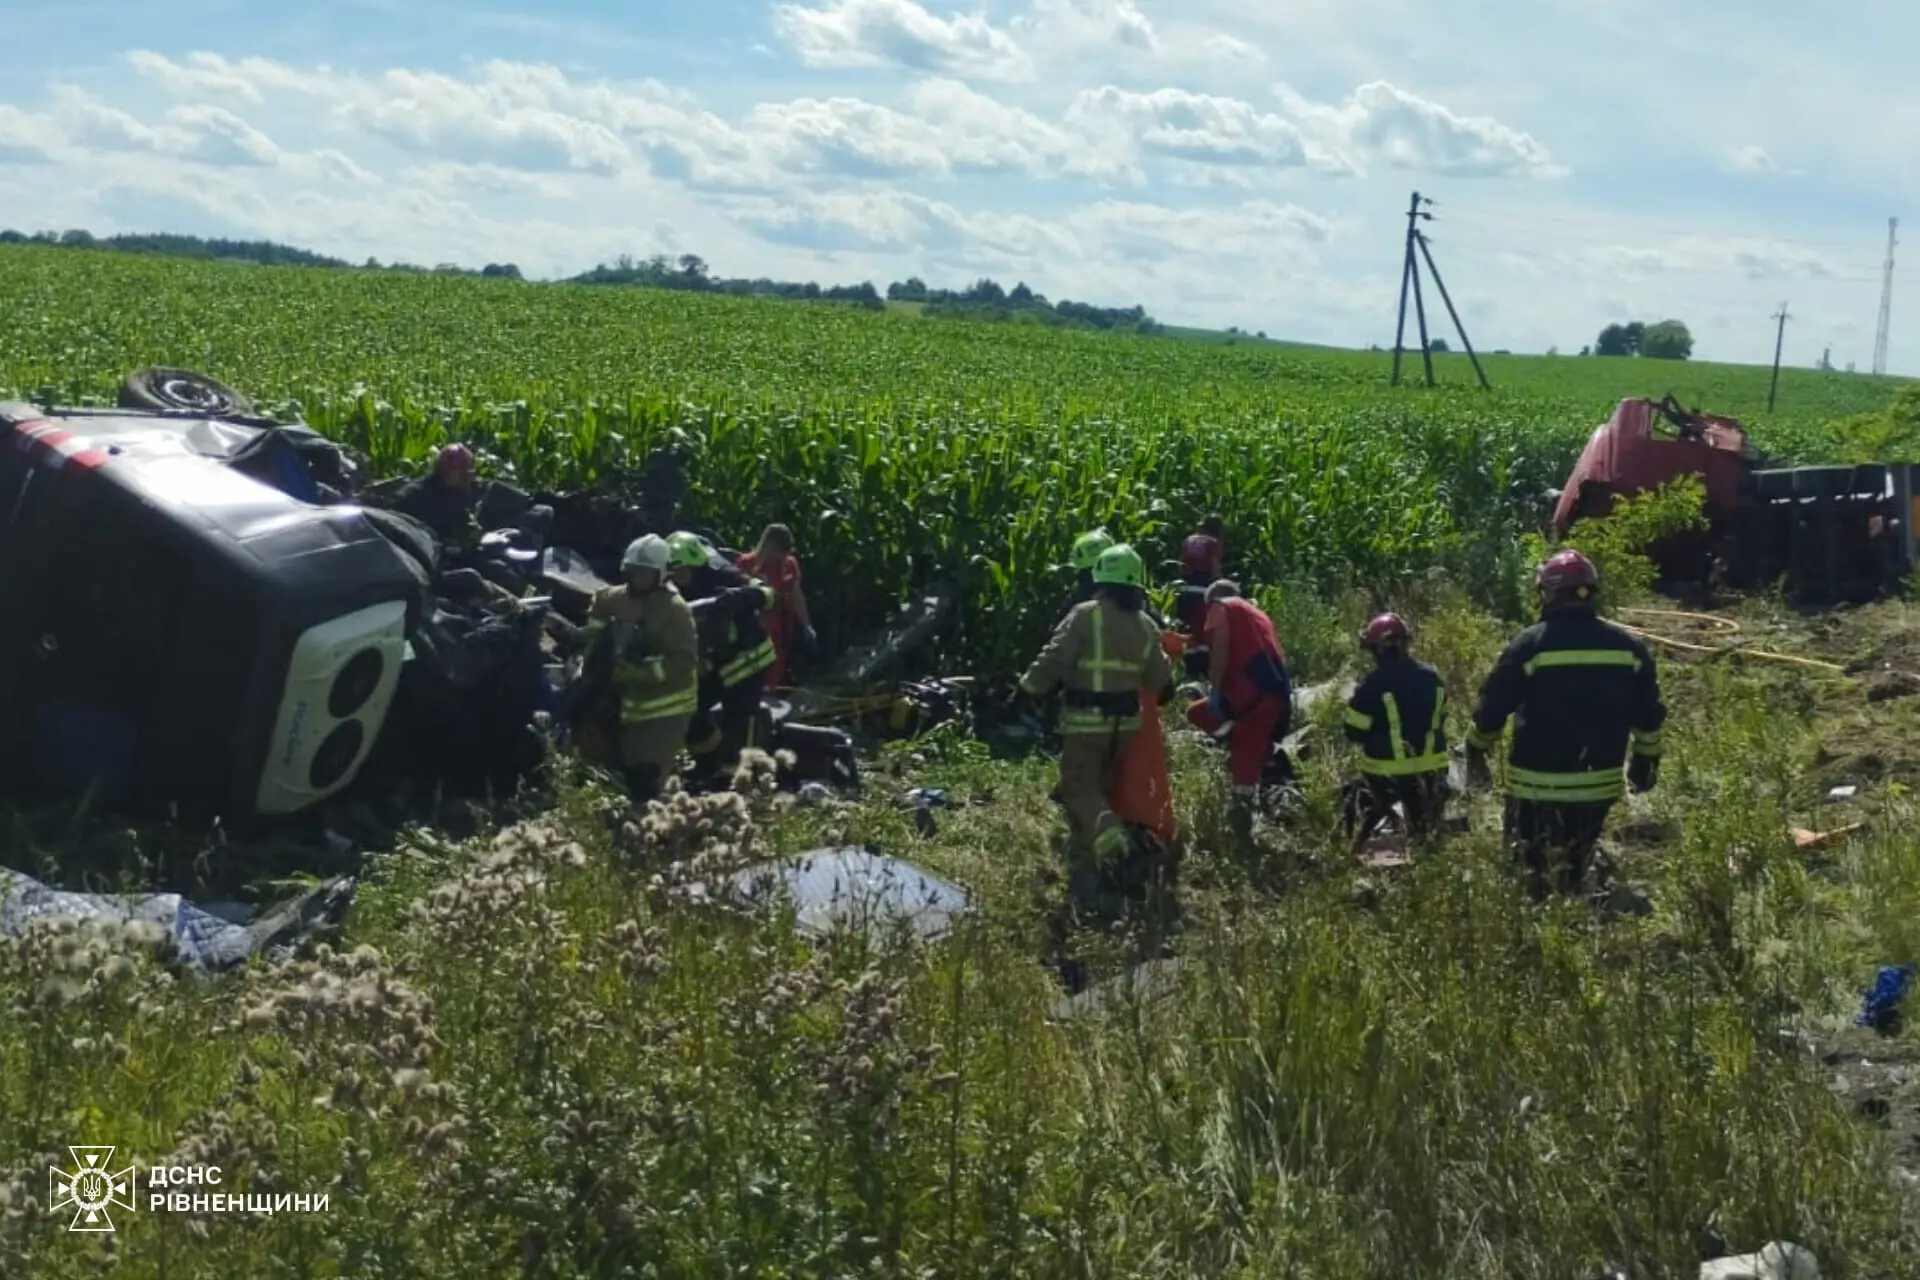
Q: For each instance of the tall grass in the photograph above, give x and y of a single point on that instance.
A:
(557, 1053)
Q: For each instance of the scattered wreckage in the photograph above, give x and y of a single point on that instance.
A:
(1831, 534)
(212, 617)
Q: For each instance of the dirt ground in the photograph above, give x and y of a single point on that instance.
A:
(1863, 733)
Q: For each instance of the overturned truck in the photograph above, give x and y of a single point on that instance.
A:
(178, 633)
(205, 619)
(1829, 535)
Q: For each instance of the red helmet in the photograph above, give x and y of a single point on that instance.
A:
(1567, 573)
(1389, 629)
(453, 460)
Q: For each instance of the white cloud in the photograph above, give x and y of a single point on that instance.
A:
(1070, 25)
(1231, 49)
(503, 117)
(26, 138)
(332, 165)
(537, 119)
(1748, 160)
(1393, 127)
(879, 33)
(1194, 127)
(199, 132)
(1123, 170)
(220, 137)
(1756, 259)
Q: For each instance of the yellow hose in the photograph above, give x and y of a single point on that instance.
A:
(1725, 624)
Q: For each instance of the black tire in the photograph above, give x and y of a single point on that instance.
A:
(183, 391)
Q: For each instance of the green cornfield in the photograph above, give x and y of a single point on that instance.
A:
(899, 449)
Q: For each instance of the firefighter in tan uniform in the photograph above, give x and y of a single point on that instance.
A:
(1102, 654)
(655, 666)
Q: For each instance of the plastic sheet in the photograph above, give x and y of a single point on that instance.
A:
(858, 888)
(205, 940)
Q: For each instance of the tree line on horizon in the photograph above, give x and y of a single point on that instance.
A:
(985, 299)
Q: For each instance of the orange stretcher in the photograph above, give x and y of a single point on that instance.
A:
(1142, 791)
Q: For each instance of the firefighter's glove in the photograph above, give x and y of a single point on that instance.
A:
(1643, 773)
(1479, 773)
(809, 641)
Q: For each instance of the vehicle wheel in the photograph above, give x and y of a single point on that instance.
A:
(182, 391)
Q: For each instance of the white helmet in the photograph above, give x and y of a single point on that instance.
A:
(649, 552)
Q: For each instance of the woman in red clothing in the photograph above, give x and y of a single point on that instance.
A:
(774, 563)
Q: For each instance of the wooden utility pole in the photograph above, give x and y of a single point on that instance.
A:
(1779, 340)
(1416, 251)
(1408, 272)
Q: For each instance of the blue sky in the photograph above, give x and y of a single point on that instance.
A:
(1219, 161)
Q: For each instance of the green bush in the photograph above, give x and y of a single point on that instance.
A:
(1618, 543)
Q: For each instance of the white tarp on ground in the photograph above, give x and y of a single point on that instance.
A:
(857, 888)
(206, 941)
(1778, 1261)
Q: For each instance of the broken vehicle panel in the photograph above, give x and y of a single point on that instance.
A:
(178, 632)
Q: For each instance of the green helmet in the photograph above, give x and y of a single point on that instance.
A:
(1088, 547)
(686, 550)
(1120, 566)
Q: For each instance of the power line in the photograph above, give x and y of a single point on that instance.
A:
(1589, 222)
(1598, 261)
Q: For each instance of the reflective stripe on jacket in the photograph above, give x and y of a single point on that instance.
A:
(1582, 692)
(656, 654)
(739, 647)
(1101, 656)
(1398, 716)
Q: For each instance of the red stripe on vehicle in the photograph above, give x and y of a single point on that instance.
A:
(88, 459)
(28, 433)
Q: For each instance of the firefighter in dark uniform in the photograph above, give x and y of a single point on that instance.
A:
(736, 653)
(1583, 694)
(1397, 715)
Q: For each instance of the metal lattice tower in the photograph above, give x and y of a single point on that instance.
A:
(1886, 303)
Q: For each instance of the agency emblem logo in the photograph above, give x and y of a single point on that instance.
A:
(91, 1189)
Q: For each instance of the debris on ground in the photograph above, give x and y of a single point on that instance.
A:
(1839, 794)
(1620, 899)
(1880, 1008)
(1146, 981)
(1894, 684)
(1385, 852)
(1779, 1260)
(1649, 831)
(1811, 840)
(922, 801)
(860, 888)
(204, 939)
